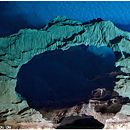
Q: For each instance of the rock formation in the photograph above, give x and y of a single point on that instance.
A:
(59, 33)
(101, 106)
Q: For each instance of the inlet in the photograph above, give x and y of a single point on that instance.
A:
(58, 79)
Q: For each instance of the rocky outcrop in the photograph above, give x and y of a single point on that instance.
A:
(59, 33)
(121, 120)
(103, 106)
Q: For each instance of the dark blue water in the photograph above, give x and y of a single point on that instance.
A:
(65, 78)
(16, 15)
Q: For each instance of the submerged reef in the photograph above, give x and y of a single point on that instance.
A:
(61, 33)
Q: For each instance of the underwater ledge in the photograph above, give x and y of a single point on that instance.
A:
(60, 33)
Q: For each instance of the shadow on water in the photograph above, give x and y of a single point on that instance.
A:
(59, 79)
(8, 24)
(76, 122)
(123, 27)
(12, 19)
